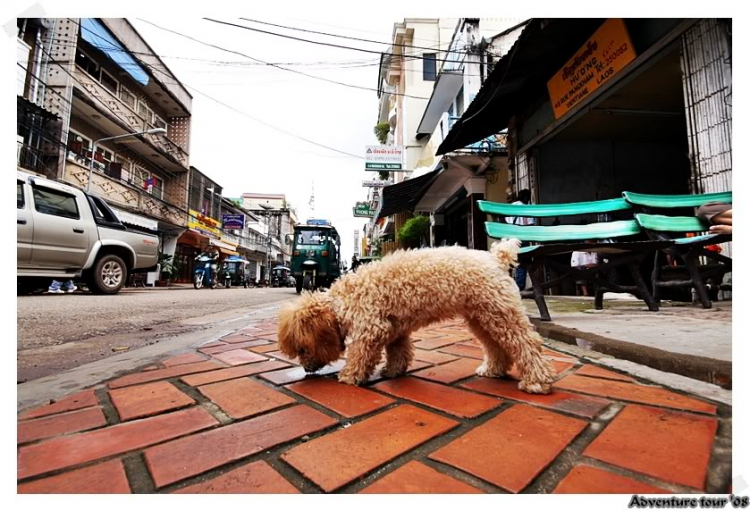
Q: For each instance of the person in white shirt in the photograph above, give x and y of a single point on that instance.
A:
(583, 260)
(524, 197)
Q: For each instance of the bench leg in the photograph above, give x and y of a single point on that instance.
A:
(655, 274)
(636, 273)
(536, 282)
(598, 296)
(695, 276)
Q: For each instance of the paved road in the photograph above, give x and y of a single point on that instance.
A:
(59, 332)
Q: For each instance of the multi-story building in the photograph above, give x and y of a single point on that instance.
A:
(422, 92)
(111, 92)
(281, 218)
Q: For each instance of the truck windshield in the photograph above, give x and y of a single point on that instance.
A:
(312, 237)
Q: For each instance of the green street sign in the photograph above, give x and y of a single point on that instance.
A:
(384, 166)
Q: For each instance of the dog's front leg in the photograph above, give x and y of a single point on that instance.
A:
(363, 356)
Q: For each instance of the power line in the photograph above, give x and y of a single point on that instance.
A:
(276, 66)
(436, 49)
(333, 45)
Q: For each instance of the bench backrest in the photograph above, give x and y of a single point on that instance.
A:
(675, 201)
(664, 223)
(561, 233)
(553, 210)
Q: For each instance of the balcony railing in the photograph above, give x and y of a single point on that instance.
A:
(36, 160)
(114, 105)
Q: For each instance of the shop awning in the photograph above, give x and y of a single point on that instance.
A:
(136, 220)
(224, 247)
(93, 32)
(404, 196)
(544, 46)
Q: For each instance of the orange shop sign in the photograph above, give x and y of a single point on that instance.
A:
(604, 54)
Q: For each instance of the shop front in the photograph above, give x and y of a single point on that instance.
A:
(202, 232)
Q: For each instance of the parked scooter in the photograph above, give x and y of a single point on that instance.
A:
(227, 275)
(205, 272)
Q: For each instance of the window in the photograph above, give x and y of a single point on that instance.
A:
(125, 167)
(19, 196)
(127, 97)
(102, 159)
(109, 82)
(429, 67)
(79, 147)
(53, 202)
(139, 176)
(159, 122)
(460, 103)
(157, 186)
(88, 64)
(145, 112)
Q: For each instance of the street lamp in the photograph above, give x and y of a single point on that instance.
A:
(155, 131)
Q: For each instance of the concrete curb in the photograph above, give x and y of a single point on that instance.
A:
(717, 372)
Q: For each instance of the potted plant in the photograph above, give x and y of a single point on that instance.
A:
(169, 269)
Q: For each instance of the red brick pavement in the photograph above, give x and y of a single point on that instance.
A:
(227, 419)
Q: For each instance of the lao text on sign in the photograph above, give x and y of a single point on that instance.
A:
(604, 54)
(384, 157)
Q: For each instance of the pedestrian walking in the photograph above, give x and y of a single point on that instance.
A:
(58, 287)
(524, 197)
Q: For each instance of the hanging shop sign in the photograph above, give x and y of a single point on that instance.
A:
(376, 183)
(604, 55)
(233, 221)
(384, 157)
(204, 224)
(363, 209)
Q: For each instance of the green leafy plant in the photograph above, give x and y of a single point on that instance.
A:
(384, 175)
(169, 267)
(381, 131)
(414, 231)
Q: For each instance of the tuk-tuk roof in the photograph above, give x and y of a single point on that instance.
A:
(281, 268)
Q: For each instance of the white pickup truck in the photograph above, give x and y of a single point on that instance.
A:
(64, 233)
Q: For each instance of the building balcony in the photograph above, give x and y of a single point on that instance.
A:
(497, 143)
(96, 102)
(126, 195)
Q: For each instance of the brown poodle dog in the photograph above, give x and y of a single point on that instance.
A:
(379, 306)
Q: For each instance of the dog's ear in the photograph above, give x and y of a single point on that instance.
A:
(309, 326)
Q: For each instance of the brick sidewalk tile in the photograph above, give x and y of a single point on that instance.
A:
(212, 344)
(139, 401)
(634, 392)
(231, 347)
(243, 397)
(559, 356)
(463, 350)
(433, 357)
(69, 451)
(437, 342)
(598, 372)
(671, 446)
(513, 448)
(233, 338)
(187, 358)
(83, 399)
(163, 374)
(196, 454)
(284, 376)
(274, 346)
(576, 404)
(336, 459)
(279, 355)
(460, 403)
(239, 357)
(416, 477)
(150, 368)
(450, 372)
(256, 477)
(232, 372)
(107, 477)
(425, 334)
(60, 424)
(346, 400)
(249, 342)
(585, 479)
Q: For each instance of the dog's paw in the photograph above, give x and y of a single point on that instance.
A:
(392, 372)
(484, 371)
(349, 379)
(534, 388)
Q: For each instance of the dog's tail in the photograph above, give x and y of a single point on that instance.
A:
(506, 252)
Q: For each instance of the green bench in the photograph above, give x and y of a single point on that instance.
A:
(613, 240)
(688, 250)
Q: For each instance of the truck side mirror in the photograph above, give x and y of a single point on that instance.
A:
(288, 239)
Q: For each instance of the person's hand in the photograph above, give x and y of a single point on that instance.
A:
(720, 229)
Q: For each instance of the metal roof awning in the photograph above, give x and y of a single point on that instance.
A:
(93, 32)
(136, 220)
(27, 106)
(224, 247)
(405, 195)
(544, 46)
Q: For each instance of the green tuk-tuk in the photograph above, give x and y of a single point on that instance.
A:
(316, 255)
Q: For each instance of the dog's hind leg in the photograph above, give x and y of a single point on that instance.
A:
(399, 354)
(496, 360)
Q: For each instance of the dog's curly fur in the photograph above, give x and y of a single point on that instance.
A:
(380, 305)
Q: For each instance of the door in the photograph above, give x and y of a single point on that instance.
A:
(24, 226)
(61, 237)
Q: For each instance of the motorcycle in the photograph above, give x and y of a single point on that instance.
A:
(205, 272)
(227, 276)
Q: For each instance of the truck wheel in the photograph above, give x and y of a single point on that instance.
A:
(307, 282)
(108, 275)
(298, 285)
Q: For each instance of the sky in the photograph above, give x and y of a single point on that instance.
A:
(243, 155)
